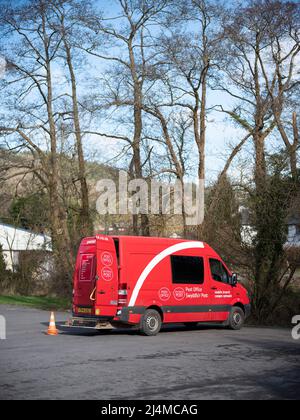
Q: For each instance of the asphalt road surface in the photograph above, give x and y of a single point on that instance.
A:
(207, 363)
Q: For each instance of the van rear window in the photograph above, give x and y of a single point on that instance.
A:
(187, 270)
(87, 269)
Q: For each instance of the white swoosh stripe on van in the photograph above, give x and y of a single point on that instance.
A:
(159, 258)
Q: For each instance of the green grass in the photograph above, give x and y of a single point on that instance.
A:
(44, 303)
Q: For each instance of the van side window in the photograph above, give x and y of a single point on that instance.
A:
(218, 271)
(117, 247)
(187, 270)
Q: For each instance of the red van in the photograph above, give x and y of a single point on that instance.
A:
(147, 282)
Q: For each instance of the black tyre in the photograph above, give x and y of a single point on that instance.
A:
(151, 323)
(236, 319)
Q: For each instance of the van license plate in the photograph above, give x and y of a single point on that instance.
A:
(84, 311)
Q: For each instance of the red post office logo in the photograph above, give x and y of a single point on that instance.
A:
(107, 259)
(179, 293)
(107, 274)
(164, 294)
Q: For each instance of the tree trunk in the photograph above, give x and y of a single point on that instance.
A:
(200, 137)
(138, 128)
(59, 229)
(260, 161)
(137, 162)
(294, 148)
(86, 224)
(179, 167)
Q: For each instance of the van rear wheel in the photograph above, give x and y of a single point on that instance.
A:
(151, 323)
(236, 319)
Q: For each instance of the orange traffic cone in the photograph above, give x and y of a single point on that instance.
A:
(52, 330)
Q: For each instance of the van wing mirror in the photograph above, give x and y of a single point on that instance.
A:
(234, 279)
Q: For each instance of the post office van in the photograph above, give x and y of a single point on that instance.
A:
(148, 282)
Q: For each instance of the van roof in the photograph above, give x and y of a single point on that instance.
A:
(143, 239)
(139, 241)
(136, 239)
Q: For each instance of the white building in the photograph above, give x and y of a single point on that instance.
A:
(14, 241)
(294, 231)
(248, 232)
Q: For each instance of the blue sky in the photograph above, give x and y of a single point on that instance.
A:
(222, 135)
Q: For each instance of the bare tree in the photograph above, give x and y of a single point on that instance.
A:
(282, 80)
(68, 25)
(34, 98)
(129, 32)
(192, 57)
(260, 75)
(258, 35)
(175, 130)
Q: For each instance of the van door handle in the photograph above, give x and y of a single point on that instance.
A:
(214, 288)
(101, 292)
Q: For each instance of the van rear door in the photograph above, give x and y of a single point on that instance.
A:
(84, 279)
(107, 277)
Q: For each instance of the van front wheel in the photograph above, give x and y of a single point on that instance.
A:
(150, 323)
(236, 318)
